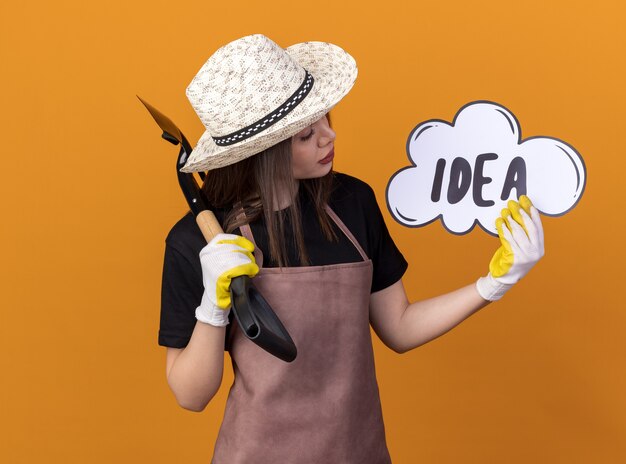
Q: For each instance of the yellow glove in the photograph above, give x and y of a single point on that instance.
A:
(521, 235)
(225, 257)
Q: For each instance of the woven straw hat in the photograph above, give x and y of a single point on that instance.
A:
(252, 94)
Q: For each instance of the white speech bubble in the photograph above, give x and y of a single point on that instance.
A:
(464, 172)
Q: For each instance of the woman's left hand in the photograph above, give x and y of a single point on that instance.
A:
(521, 235)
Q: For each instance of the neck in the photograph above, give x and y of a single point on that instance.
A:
(284, 197)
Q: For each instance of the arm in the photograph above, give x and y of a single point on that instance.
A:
(194, 373)
(403, 326)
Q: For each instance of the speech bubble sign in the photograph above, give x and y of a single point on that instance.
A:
(464, 172)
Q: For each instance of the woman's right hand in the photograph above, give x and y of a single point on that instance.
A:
(225, 257)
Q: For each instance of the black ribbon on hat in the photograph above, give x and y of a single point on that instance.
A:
(272, 118)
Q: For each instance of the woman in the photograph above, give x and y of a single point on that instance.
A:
(322, 257)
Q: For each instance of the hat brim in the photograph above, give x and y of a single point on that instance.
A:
(334, 72)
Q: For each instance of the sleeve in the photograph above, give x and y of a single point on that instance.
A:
(181, 292)
(389, 263)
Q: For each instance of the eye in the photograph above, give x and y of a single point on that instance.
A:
(308, 136)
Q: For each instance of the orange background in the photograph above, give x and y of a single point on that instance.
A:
(88, 194)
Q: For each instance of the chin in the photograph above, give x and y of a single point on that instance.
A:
(326, 170)
(314, 174)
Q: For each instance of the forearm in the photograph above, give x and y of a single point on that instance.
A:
(403, 326)
(195, 373)
(426, 320)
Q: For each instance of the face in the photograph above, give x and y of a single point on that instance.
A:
(313, 150)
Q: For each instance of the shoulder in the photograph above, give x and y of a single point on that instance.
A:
(185, 236)
(347, 188)
(355, 203)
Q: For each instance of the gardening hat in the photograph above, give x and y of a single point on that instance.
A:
(252, 94)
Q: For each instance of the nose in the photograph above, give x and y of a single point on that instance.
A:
(327, 135)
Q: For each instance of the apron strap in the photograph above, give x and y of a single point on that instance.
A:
(247, 233)
(346, 232)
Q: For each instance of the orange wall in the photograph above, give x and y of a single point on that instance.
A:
(88, 194)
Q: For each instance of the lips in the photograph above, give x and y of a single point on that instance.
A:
(328, 158)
